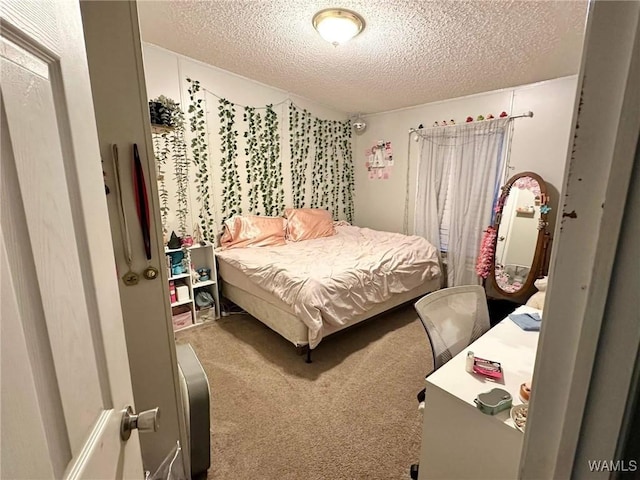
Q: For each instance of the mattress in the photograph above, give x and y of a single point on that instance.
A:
(285, 323)
(328, 282)
(234, 276)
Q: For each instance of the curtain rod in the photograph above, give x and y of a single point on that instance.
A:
(528, 114)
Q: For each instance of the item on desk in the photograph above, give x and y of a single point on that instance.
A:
(487, 368)
(469, 363)
(493, 401)
(519, 416)
(525, 392)
(529, 322)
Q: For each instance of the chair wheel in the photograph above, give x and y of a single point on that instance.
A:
(413, 471)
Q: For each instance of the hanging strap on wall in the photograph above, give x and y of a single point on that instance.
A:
(130, 277)
(142, 201)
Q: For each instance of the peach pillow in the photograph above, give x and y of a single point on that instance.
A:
(253, 231)
(308, 223)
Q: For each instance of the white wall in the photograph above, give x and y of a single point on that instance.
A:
(166, 73)
(539, 144)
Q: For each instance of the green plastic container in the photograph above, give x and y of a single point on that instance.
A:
(493, 401)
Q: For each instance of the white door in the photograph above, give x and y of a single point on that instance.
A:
(65, 377)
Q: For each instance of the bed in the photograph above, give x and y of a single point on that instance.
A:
(309, 289)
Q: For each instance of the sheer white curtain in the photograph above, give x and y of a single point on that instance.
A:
(459, 173)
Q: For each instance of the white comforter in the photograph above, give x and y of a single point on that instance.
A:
(333, 278)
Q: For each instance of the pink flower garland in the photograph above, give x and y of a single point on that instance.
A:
(484, 263)
(528, 183)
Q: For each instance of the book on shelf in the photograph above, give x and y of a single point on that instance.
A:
(172, 291)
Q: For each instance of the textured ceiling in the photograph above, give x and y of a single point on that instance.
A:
(411, 52)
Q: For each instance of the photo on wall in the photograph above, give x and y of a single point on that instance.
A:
(379, 160)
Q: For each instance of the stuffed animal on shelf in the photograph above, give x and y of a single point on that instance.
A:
(195, 276)
(537, 299)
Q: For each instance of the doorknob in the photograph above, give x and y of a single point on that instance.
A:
(147, 421)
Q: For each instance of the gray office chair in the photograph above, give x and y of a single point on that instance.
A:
(453, 318)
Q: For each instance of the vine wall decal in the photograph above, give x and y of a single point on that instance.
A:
(347, 179)
(299, 140)
(316, 171)
(263, 162)
(161, 152)
(180, 174)
(168, 135)
(200, 158)
(248, 176)
(273, 184)
(254, 157)
(332, 174)
(230, 178)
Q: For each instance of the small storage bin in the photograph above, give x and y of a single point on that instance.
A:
(181, 320)
(183, 293)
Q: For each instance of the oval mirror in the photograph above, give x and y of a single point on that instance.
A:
(522, 238)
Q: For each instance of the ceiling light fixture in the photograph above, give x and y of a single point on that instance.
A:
(338, 25)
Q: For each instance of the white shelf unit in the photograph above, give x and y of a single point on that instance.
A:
(196, 257)
(181, 302)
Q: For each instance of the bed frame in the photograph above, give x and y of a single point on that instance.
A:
(278, 316)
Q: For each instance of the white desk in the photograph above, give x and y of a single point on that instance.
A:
(458, 440)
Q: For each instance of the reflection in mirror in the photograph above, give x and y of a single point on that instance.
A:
(517, 234)
(520, 241)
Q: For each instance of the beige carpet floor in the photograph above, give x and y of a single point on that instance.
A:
(351, 414)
